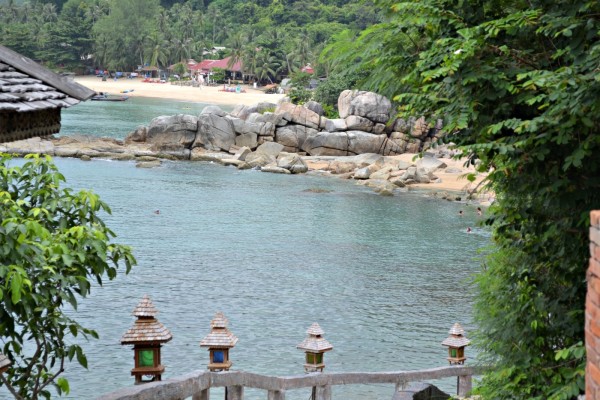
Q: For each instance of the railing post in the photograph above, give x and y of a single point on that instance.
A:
(235, 392)
(204, 394)
(276, 395)
(465, 385)
(323, 393)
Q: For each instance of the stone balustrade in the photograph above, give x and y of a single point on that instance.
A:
(197, 384)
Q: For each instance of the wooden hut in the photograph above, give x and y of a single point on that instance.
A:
(31, 97)
(146, 335)
(315, 345)
(456, 344)
(219, 341)
(4, 363)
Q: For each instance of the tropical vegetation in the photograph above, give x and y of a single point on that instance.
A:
(518, 86)
(272, 38)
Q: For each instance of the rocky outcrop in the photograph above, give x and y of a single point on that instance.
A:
(214, 133)
(348, 144)
(369, 105)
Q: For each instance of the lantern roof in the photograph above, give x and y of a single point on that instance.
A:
(315, 342)
(219, 336)
(456, 338)
(145, 308)
(4, 362)
(146, 329)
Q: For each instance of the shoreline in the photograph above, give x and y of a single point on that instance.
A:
(204, 94)
(453, 182)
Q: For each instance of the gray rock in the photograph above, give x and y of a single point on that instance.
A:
(383, 173)
(213, 110)
(421, 391)
(356, 123)
(335, 125)
(423, 175)
(378, 129)
(177, 129)
(299, 115)
(364, 104)
(315, 107)
(404, 165)
(292, 162)
(242, 153)
(240, 111)
(148, 164)
(139, 135)
(348, 143)
(431, 164)
(362, 173)
(260, 160)
(419, 128)
(400, 125)
(274, 169)
(249, 140)
(293, 136)
(269, 149)
(214, 132)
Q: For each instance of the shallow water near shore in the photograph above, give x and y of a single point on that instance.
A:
(116, 119)
(385, 277)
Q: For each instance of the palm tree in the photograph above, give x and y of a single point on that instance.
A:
(267, 66)
(48, 13)
(157, 50)
(182, 49)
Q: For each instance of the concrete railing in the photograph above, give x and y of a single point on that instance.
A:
(198, 383)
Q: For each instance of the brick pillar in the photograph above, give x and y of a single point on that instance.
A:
(592, 312)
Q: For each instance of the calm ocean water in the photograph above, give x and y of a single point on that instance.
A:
(385, 277)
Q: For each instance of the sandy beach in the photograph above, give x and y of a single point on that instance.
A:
(454, 182)
(204, 94)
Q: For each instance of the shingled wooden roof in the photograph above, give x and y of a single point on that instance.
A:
(146, 329)
(31, 97)
(456, 338)
(219, 336)
(315, 342)
(4, 363)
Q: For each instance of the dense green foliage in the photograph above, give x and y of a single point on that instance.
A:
(518, 86)
(52, 246)
(273, 38)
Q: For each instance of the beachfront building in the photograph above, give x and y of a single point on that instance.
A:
(32, 96)
(205, 69)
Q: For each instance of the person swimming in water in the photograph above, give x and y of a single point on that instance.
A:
(157, 212)
(479, 211)
(468, 229)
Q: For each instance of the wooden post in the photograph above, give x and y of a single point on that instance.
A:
(204, 394)
(323, 393)
(276, 395)
(234, 393)
(465, 385)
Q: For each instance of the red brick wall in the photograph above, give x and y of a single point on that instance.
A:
(592, 312)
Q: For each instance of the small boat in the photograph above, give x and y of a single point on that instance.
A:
(106, 97)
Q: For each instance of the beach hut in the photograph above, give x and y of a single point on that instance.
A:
(32, 96)
(218, 342)
(315, 345)
(146, 335)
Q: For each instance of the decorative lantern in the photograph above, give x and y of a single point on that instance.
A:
(4, 363)
(314, 346)
(146, 335)
(456, 343)
(219, 341)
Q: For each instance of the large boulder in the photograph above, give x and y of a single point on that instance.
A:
(249, 140)
(299, 115)
(214, 110)
(348, 143)
(292, 162)
(335, 125)
(214, 132)
(139, 135)
(431, 164)
(242, 127)
(293, 136)
(177, 129)
(270, 149)
(314, 106)
(364, 104)
(356, 123)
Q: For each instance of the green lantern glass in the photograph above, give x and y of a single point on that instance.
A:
(146, 358)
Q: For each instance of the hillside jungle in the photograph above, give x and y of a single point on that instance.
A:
(273, 38)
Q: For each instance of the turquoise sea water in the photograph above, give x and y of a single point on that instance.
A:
(385, 277)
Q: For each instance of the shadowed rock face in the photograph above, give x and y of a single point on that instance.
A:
(421, 391)
(348, 144)
(364, 104)
(215, 133)
(293, 136)
(177, 129)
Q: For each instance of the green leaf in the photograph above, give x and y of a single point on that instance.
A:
(63, 386)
